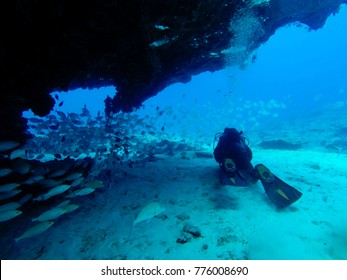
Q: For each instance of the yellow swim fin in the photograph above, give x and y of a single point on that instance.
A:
(279, 192)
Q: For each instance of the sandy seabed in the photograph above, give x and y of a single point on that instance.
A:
(234, 222)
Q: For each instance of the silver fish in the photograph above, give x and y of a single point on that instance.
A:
(84, 191)
(8, 187)
(50, 183)
(10, 206)
(35, 230)
(21, 166)
(25, 198)
(53, 192)
(9, 214)
(20, 153)
(58, 173)
(149, 211)
(33, 180)
(71, 207)
(95, 184)
(73, 176)
(8, 145)
(63, 204)
(77, 182)
(9, 194)
(50, 215)
(5, 171)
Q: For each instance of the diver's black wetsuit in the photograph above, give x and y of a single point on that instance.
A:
(234, 158)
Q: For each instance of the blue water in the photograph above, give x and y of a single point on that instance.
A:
(297, 75)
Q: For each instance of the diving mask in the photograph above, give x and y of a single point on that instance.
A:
(229, 165)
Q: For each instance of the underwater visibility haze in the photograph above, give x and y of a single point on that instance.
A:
(145, 185)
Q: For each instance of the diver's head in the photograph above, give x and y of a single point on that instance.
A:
(232, 133)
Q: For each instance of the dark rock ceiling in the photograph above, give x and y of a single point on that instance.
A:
(138, 46)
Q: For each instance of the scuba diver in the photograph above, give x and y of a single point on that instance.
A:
(234, 157)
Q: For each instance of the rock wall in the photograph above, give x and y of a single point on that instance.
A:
(138, 46)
